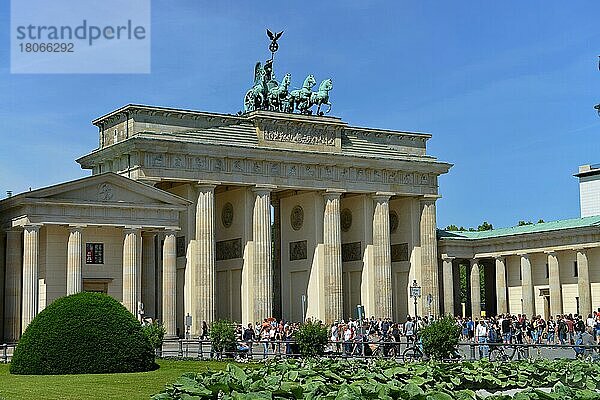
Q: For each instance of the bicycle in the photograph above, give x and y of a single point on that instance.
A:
(413, 352)
(501, 352)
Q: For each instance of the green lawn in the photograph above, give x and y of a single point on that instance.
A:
(139, 385)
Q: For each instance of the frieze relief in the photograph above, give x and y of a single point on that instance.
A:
(298, 250)
(228, 249)
(399, 252)
(351, 252)
(294, 170)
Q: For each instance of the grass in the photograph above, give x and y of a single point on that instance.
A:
(139, 385)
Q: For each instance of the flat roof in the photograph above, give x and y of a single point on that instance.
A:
(586, 222)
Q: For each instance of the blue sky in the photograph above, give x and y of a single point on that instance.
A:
(506, 88)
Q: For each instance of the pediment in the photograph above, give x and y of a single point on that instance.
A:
(107, 188)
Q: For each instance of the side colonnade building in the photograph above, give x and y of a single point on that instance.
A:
(242, 217)
(543, 269)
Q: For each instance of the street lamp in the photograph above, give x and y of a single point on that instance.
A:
(597, 106)
(415, 293)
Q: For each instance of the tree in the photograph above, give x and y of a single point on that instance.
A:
(540, 221)
(452, 228)
(312, 338)
(523, 223)
(485, 226)
(440, 338)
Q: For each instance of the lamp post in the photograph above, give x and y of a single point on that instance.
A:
(415, 293)
(597, 106)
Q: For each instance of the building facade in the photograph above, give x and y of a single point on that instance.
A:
(231, 216)
(547, 269)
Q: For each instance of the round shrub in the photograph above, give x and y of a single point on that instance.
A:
(312, 338)
(85, 333)
(440, 338)
(222, 336)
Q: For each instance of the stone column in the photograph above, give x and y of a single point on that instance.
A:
(475, 290)
(2, 269)
(457, 292)
(554, 284)
(527, 286)
(262, 274)
(131, 269)
(12, 282)
(501, 288)
(158, 282)
(30, 300)
(429, 259)
(204, 274)
(382, 258)
(332, 256)
(583, 283)
(448, 279)
(148, 273)
(74, 261)
(169, 286)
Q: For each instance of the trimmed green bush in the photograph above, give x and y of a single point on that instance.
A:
(222, 336)
(440, 338)
(312, 338)
(85, 333)
(155, 332)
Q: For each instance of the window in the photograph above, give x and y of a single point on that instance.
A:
(575, 269)
(547, 271)
(116, 136)
(94, 253)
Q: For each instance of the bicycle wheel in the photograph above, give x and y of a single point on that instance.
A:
(412, 354)
(497, 354)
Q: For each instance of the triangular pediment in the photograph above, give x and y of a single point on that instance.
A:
(107, 188)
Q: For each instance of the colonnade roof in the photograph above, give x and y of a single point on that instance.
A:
(587, 222)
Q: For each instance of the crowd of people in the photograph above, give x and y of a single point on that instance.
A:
(277, 337)
(506, 328)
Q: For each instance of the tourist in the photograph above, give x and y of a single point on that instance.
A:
(409, 330)
(550, 331)
(481, 334)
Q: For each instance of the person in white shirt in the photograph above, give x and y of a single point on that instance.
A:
(481, 333)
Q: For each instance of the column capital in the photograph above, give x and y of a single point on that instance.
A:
(32, 227)
(581, 249)
(523, 255)
(382, 196)
(76, 227)
(131, 229)
(207, 185)
(263, 189)
(474, 261)
(332, 194)
(431, 199)
(550, 252)
(14, 230)
(446, 257)
(500, 258)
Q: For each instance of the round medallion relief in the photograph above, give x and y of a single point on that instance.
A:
(393, 221)
(227, 215)
(297, 217)
(346, 219)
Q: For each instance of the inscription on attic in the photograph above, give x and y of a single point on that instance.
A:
(299, 135)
